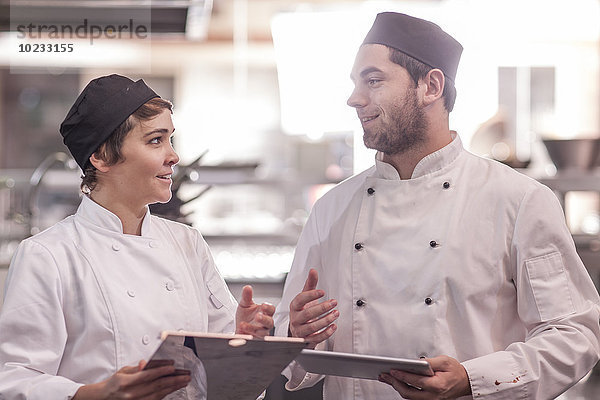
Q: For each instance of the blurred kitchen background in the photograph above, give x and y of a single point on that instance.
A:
(262, 126)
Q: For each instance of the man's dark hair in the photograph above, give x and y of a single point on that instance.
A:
(418, 70)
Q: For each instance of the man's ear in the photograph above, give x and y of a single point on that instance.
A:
(433, 83)
(98, 163)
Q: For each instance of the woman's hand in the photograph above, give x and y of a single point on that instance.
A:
(133, 382)
(251, 318)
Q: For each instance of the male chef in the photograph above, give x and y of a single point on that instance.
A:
(434, 252)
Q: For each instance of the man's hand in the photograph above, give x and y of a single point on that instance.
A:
(135, 383)
(310, 319)
(251, 318)
(449, 382)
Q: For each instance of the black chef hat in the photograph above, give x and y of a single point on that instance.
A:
(103, 105)
(420, 39)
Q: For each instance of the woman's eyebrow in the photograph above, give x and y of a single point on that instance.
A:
(154, 131)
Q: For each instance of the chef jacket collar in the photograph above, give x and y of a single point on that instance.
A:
(102, 218)
(428, 164)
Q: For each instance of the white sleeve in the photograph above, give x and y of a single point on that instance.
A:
(307, 256)
(32, 328)
(558, 303)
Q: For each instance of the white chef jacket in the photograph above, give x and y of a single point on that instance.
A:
(468, 258)
(83, 300)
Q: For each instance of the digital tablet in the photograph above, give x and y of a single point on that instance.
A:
(358, 365)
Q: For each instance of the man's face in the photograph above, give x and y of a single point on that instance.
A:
(385, 99)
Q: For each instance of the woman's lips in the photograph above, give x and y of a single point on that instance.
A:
(164, 177)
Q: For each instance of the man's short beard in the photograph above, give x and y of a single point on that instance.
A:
(406, 131)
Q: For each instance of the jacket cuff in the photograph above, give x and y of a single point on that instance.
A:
(298, 378)
(496, 376)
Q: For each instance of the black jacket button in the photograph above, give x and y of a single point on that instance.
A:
(433, 243)
(360, 302)
(428, 300)
(371, 191)
(358, 246)
(446, 185)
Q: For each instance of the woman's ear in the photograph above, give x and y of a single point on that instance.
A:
(434, 83)
(98, 162)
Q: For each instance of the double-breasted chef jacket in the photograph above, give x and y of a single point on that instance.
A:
(468, 258)
(83, 300)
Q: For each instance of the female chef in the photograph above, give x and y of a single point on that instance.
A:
(87, 299)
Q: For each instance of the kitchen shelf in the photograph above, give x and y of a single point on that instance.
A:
(572, 181)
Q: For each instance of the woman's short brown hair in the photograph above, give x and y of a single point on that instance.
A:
(110, 150)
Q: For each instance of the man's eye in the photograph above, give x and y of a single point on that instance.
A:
(374, 81)
(155, 140)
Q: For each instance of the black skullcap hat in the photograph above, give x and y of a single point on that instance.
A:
(103, 105)
(420, 39)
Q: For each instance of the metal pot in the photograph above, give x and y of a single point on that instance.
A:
(573, 154)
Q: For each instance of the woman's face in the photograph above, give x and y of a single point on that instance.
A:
(144, 175)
